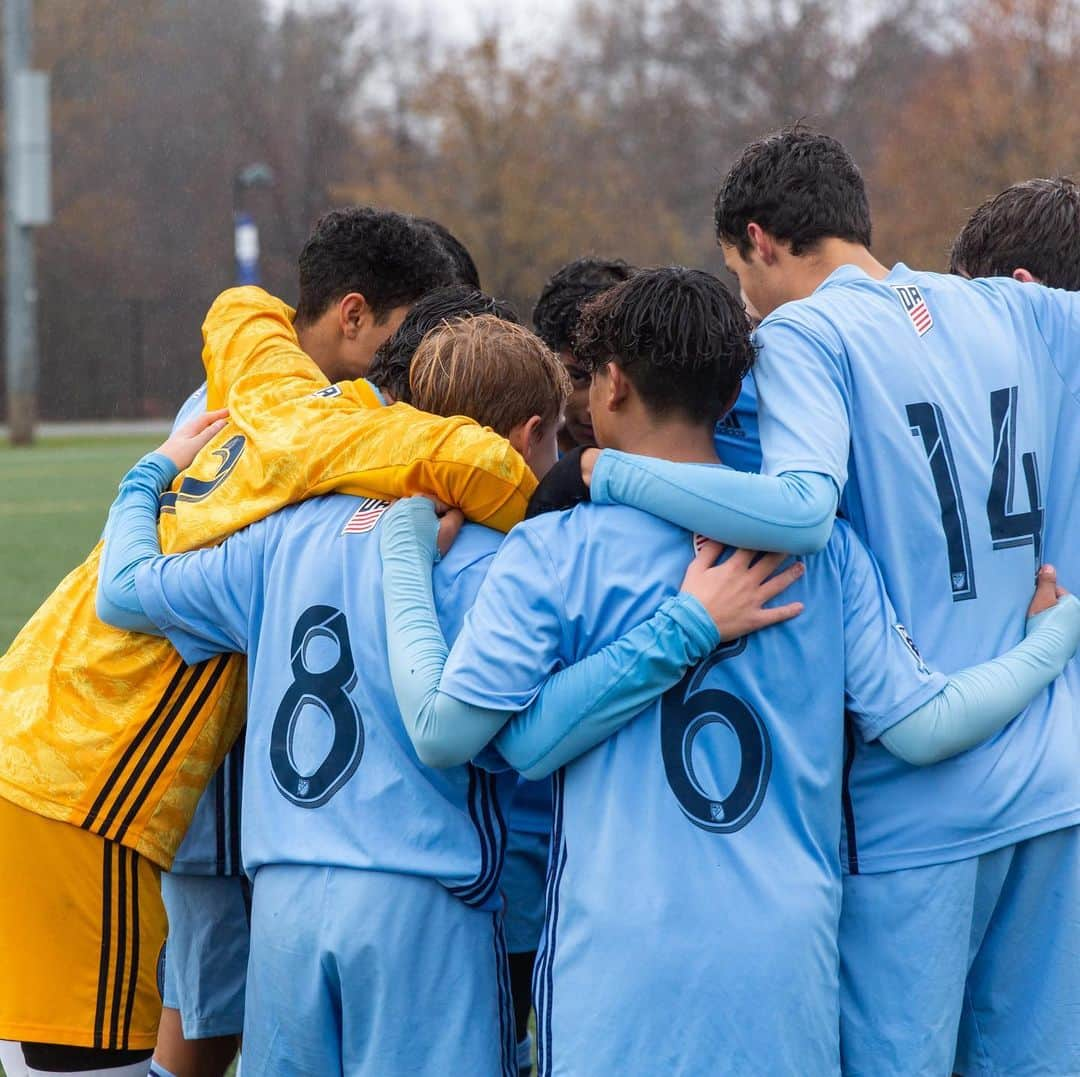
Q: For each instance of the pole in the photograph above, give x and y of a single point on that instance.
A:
(20, 304)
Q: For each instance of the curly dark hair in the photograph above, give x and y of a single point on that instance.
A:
(386, 257)
(556, 312)
(799, 186)
(1034, 225)
(464, 266)
(681, 337)
(390, 367)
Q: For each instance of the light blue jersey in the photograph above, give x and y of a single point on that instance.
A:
(948, 413)
(694, 889)
(736, 438)
(193, 406)
(330, 776)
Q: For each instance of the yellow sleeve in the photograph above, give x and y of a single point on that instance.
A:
(250, 349)
(292, 436)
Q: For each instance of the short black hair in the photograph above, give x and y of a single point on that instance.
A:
(799, 186)
(555, 315)
(1034, 225)
(390, 367)
(464, 266)
(681, 337)
(385, 256)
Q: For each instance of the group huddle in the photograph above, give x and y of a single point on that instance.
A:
(694, 674)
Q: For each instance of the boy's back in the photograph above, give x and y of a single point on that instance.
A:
(715, 807)
(330, 774)
(964, 421)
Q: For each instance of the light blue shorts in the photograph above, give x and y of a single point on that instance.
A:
(206, 953)
(372, 973)
(523, 878)
(973, 965)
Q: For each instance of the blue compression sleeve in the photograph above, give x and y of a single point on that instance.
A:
(131, 538)
(979, 701)
(577, 707)
(789, 513)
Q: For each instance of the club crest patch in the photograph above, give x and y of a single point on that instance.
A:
(330, 390)
(909, 643)
(915, 306)
(365, 517)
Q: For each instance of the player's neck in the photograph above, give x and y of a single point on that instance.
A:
(829, 255)
(320, 347)
(682, 442)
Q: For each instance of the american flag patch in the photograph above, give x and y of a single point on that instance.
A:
(917, 310)
(699, 541)
(365, 517)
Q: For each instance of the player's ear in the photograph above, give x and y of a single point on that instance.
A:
(353, 314)
(1025, 276)
(526, 436)
(763, 245)
(617, 388)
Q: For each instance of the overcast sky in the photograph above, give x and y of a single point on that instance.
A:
(527, 19)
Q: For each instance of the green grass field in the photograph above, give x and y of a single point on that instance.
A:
(54, 498)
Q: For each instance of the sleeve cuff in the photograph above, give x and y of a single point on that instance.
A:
(873, 726)
(598, 484)
(691, 616)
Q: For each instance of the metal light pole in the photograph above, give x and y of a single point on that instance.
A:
(245, 230)
(27, 203)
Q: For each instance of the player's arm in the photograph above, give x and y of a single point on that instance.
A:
(924, 717)
(277, 398)
(198, 600)
(805, 437)
(563, 712)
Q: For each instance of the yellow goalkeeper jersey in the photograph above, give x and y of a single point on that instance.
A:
(109, 730)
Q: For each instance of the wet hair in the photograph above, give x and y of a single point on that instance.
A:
(390, 367)
(464, 266)
(491, 370)
(555, 315)
(680, 336)
(1034, 225)
(385, 256)
(800, 186)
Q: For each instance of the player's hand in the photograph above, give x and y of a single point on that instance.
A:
(735, 592)
(451, 521)
(450, 524)
(183, 446)
(1047, 591)
(588, 462)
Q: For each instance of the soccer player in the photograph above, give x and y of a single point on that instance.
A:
(206, 894)
(722, 802)
(555, 318)
(943, 416)
(1030, 231)
(357, 849)
(390, 368)
(107, 738)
